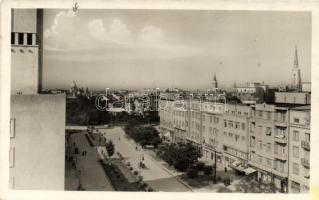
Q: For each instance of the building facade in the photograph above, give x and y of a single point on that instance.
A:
(268, 147)
(236, 134)
(299, 148)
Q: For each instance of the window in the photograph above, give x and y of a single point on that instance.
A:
(203, 117)
(236, 137)
(306, 172)
(295, 136)
(260, 144)
(307, 137)
(210, 119)
(260, 160)
(268, 162)
(12, 128)
(203, 128)
(225, 123)
(260, 113)
(29, 38)
(296, 120)
(295, 186)
(230, 134)
(295, 151)
(20, 38)
(237, 125)
(268, 131)
(11, 157)
(268, 147)
(295, 168)
(268, 115)
(230, 124)
(252, 141)
(12, 38)
(243, 126)
(243, 137)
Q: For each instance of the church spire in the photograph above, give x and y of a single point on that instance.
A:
(296, 64)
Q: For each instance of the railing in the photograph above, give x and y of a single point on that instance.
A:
(305, 145)
(281, 139)
(305, 162)
(281, 156)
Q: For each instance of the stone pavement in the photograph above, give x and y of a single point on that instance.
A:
(154, 174)
(93, 177)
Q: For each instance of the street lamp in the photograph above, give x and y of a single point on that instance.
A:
(156, 102)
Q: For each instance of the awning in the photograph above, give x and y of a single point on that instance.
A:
(249, 170)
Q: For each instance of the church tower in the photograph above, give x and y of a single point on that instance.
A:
(295, 76)
(215, 83)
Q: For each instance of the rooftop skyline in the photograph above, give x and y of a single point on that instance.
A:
(173, 48)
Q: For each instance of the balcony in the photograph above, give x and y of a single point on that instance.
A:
(281, 123)
(281, 139)
(305, 145)
(281, 156)
(305, 162)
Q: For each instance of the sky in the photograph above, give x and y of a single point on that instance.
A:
(133, 49)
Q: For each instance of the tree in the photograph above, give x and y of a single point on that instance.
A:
(110, 148)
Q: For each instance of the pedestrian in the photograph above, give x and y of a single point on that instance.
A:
(136, 147)
(225, 169)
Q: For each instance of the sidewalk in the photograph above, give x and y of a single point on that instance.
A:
(93, 177)
(154, 174)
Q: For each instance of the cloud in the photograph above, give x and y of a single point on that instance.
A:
(118, 30)
(151, 34)
(112, 40)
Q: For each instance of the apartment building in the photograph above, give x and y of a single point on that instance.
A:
(180, 115)
(299, 149)
(236, 135)
(37, 122)
(268, 147)
(194, 122)
(166, 113)
(212, 129)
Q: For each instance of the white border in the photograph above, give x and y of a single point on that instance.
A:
(279, 5)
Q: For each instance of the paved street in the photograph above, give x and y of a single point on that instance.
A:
(154, 174)
(92, 174)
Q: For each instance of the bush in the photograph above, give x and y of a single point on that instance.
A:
(131, 168)
(208, 170)
(200, 166)
(135, 173)
(142, 165)
(192, 173)
(150, 189)
(226, 181)
(128, 163)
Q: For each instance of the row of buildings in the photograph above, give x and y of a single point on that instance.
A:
(270, 142)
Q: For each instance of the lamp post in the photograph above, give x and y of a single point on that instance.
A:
(106, 89)
(156, 102)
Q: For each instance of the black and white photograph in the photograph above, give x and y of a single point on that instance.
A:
(160, 100)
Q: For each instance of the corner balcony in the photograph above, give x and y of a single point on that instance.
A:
(305, 162)
(281, 123)
(305, 145)
(281, 156)
(281, 139)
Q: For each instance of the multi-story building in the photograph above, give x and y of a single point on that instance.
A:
(236, 135)
(166, 113)
(194, 122)
(37, 124)
(252, 93)
(269, 144)
(180, 115)
(212, 115)
(299, 149)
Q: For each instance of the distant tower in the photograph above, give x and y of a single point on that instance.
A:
(215, 83)
(295, 76)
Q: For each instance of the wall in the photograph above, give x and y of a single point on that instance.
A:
(24, 20)
(24, 70)
(38, 141)
(292, 97)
